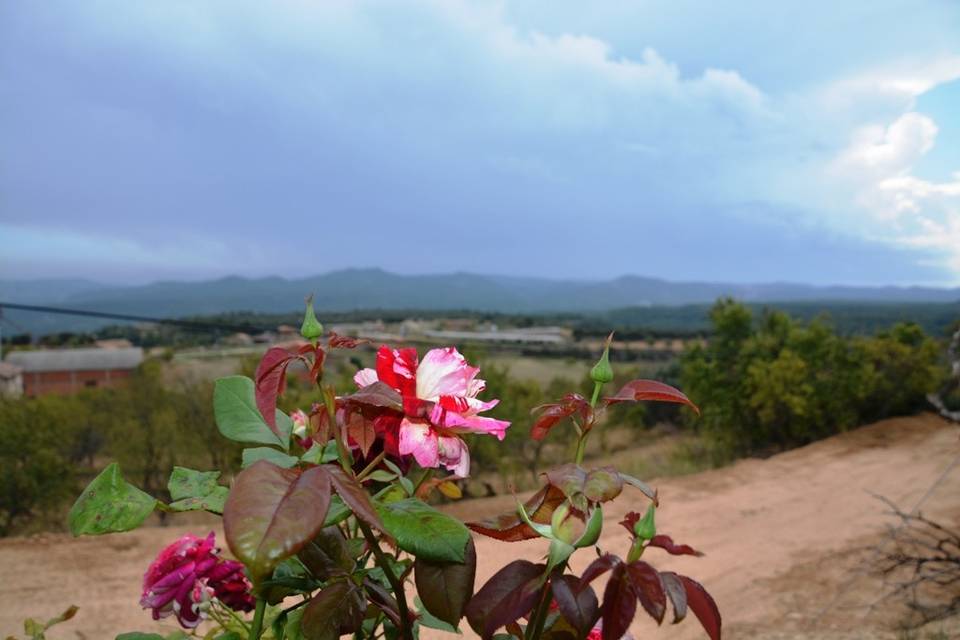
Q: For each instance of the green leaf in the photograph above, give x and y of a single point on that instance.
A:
(237, 416)
(196, 490)
(318, 454)
(337, 513)
(423, 531)
(137, 635)
(229, 635)
(430, 621)
(109, 504)
(272, 513)
(446, 587)
(285, 427)
(212, 502)
(278, 458)
(291, 630)
(188, 483)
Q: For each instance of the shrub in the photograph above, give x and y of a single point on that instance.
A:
(774, 383)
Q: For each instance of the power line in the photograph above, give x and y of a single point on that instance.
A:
(186, 324)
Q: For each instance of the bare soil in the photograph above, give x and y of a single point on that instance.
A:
(787, 542)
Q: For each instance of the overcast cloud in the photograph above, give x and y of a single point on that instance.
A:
(757, 142)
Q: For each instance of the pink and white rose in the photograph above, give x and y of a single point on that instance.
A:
(440, 404)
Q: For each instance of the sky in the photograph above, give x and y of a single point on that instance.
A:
(757, 141)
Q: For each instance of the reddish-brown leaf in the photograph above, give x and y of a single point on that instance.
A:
(272, 513)
(703, 606)
(378, 394)
(638, 390)
(361, 431)
(506, 597)
(667, 544)
(674, 588)
(335, 610)
(598, 567)
(649, 589)
(619, 604)
(630, 521)
(382, 599)
(354, 496)
(336, 341)
(509, 527)
(317, 369)
(271, 378)
(551, 414)
(578, 606)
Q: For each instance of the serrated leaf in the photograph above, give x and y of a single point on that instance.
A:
(109, 504)
(272, 513)
(643, 390)
(282, 460)
(189, 483)
(335, 610)
(430, 621)
(423, 531)
(510, 527)
(673, 587)
(236, 413)
(703, 606)
(321, 453)
(649, 589)
(446, 587)
(619, 604)
(579, 607)
(507, 596)
(354, 495)
(212, 502)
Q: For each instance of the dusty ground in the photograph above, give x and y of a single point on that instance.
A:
(784, 538)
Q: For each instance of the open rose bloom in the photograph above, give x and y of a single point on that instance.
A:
(439, 405)
(187, 575)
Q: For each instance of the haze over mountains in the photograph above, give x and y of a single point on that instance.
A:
(353, 289)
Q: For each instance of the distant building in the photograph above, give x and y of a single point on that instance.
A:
(64, 371)
(113, 343)
(11, 380)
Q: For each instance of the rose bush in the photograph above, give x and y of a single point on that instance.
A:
(329, 519)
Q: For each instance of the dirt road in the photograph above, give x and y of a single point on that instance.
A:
(784, 539)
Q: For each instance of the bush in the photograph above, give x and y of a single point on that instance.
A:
(36, 475)
(777, 383)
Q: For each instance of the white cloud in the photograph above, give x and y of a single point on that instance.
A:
(902, 208)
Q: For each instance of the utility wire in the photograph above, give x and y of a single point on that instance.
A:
(186, 324)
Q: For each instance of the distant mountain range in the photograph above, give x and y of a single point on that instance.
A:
(354, 289)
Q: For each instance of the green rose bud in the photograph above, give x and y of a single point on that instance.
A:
(602, 372)
(311, 329)
(646, 528)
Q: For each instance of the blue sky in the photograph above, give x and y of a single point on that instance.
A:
(814, 142)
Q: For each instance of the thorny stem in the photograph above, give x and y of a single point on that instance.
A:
(372, 466)
(257, 628)
(539, 618)
(582, 442)
(427, 473)
(238, 619)
(384, 563)
(329, 400)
